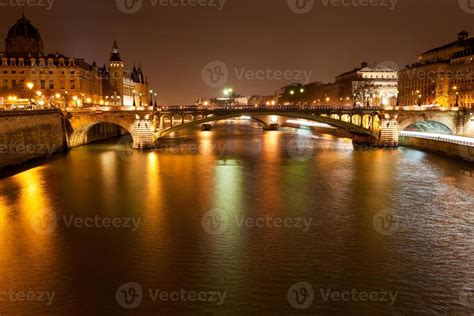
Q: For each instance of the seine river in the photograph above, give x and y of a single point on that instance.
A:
(238, 221)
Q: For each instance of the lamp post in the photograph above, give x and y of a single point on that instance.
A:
(419, 100)
(30, 87)
(134, 101)
(58, 98)
(156, 104)
(83, 99)
(457, 99)
(67, 101)
(141, 95)
(151, 97)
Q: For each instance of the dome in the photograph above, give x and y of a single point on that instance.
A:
(23, 39)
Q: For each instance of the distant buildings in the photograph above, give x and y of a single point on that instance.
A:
(442, 76)
(28, 74)
(363, 86)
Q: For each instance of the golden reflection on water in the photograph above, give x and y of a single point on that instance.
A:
(28, 228)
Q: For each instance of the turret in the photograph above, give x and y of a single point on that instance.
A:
(116, 71)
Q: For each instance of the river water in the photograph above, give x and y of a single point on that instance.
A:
(239, 221)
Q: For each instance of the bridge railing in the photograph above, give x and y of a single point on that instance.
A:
(262, 108)
(460, 140)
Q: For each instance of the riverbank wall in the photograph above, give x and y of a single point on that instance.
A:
(444, 148)
(29, 135)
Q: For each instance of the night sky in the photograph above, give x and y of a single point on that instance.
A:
(174, 44)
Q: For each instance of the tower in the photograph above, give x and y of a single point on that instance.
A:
(116, 70)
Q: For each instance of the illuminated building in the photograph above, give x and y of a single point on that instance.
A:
(27, 74)
(442, 76)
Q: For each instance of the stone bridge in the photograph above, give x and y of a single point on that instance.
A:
(377, 126)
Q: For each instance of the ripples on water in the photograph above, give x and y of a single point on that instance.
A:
(242, 173)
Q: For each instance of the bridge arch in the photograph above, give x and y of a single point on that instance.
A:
(347, 126)
(442, 123)
(140, 129)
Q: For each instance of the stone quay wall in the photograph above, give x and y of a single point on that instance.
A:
(29, 135)
(448, 149)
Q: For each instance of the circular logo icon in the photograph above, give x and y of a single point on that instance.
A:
(466, 152)
(466, 296)
(301, 6)
(125, 150)
(301, 295)
(215, 74)
(44, 223)
(129, 295)
(301, 149)
(214, 222)
(467, 6)
(129, 6)
(386, 223)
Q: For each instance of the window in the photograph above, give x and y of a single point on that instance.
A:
(13, 84)
(51, 84)
(73, 84)
(61, 84)
(43, 84)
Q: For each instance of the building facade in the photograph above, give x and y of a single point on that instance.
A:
(363, 86)
(443, 76)
(31, 77)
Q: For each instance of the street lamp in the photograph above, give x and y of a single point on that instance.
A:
(66, 95)
(58, 97)
(156, 104)
(30, 87)
(151, 97)
(134, 96)
(419, 100)
(141, 95)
